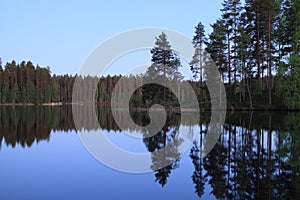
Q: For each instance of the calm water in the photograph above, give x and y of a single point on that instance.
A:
(256, 157)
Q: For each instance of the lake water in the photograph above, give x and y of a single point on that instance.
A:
(257, 156)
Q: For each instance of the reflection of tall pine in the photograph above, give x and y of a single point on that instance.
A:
(215, 167)
(165, 64)
(199, 178)
(167, 136)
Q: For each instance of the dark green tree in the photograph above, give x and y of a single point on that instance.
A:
(230, 14)
(216, 46)
(5, 93)
(289, 68)
(1, 79)
(165, 64)
(197, 63)
(245, 65)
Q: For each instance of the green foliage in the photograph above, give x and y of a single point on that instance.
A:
(197, 62)
(289, 67)
(25, 83)
(14, 94)
(165, 64)
(216, 46)
(5, 93)
(52, 90)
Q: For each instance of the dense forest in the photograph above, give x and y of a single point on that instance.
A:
(26, 83)
(255, 45)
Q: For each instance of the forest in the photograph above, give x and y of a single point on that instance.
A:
(255, 46)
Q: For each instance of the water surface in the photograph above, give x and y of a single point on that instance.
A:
(256, 157)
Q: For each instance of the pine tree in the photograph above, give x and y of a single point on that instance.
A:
(242, 56)
(5, 93)
(14, 94)
(290, 72)
(231, 12)
(255, 27)
(165, 64)
(216, 46)
(245, 64)
(270, 10)
(1, 78)
(197, 62)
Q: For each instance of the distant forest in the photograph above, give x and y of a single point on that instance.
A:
(255, 45)
(26, 83)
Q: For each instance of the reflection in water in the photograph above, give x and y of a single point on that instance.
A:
(26, 125)
(256, 157)
(168, 135)
(198, 175)
(252, 159)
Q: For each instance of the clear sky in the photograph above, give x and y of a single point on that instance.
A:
(61, 34)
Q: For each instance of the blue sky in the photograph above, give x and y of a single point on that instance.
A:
(61, 34)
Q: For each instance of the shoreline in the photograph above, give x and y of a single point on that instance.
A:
(144, 109)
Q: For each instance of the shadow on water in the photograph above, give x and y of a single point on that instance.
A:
(256, 157)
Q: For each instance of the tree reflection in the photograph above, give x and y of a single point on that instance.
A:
(26, 125)
(199, 177)
(256, 157)
(164, 148)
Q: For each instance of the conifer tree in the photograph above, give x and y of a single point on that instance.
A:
(165, 64)
(197, 62)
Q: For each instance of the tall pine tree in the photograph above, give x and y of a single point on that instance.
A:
(165, 65)
(197, 62)
(231, 11)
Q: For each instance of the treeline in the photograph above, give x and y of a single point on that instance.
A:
(256, 49)
(26, 83)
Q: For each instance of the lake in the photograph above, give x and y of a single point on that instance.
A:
(257, 156)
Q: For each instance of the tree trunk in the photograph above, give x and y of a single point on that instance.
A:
(235, 50)
(269, 59)
(249, 93)
(258, 162)
(165, 82)
(229, 159)
(229, 59)
(201, 78)
(258, 49)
